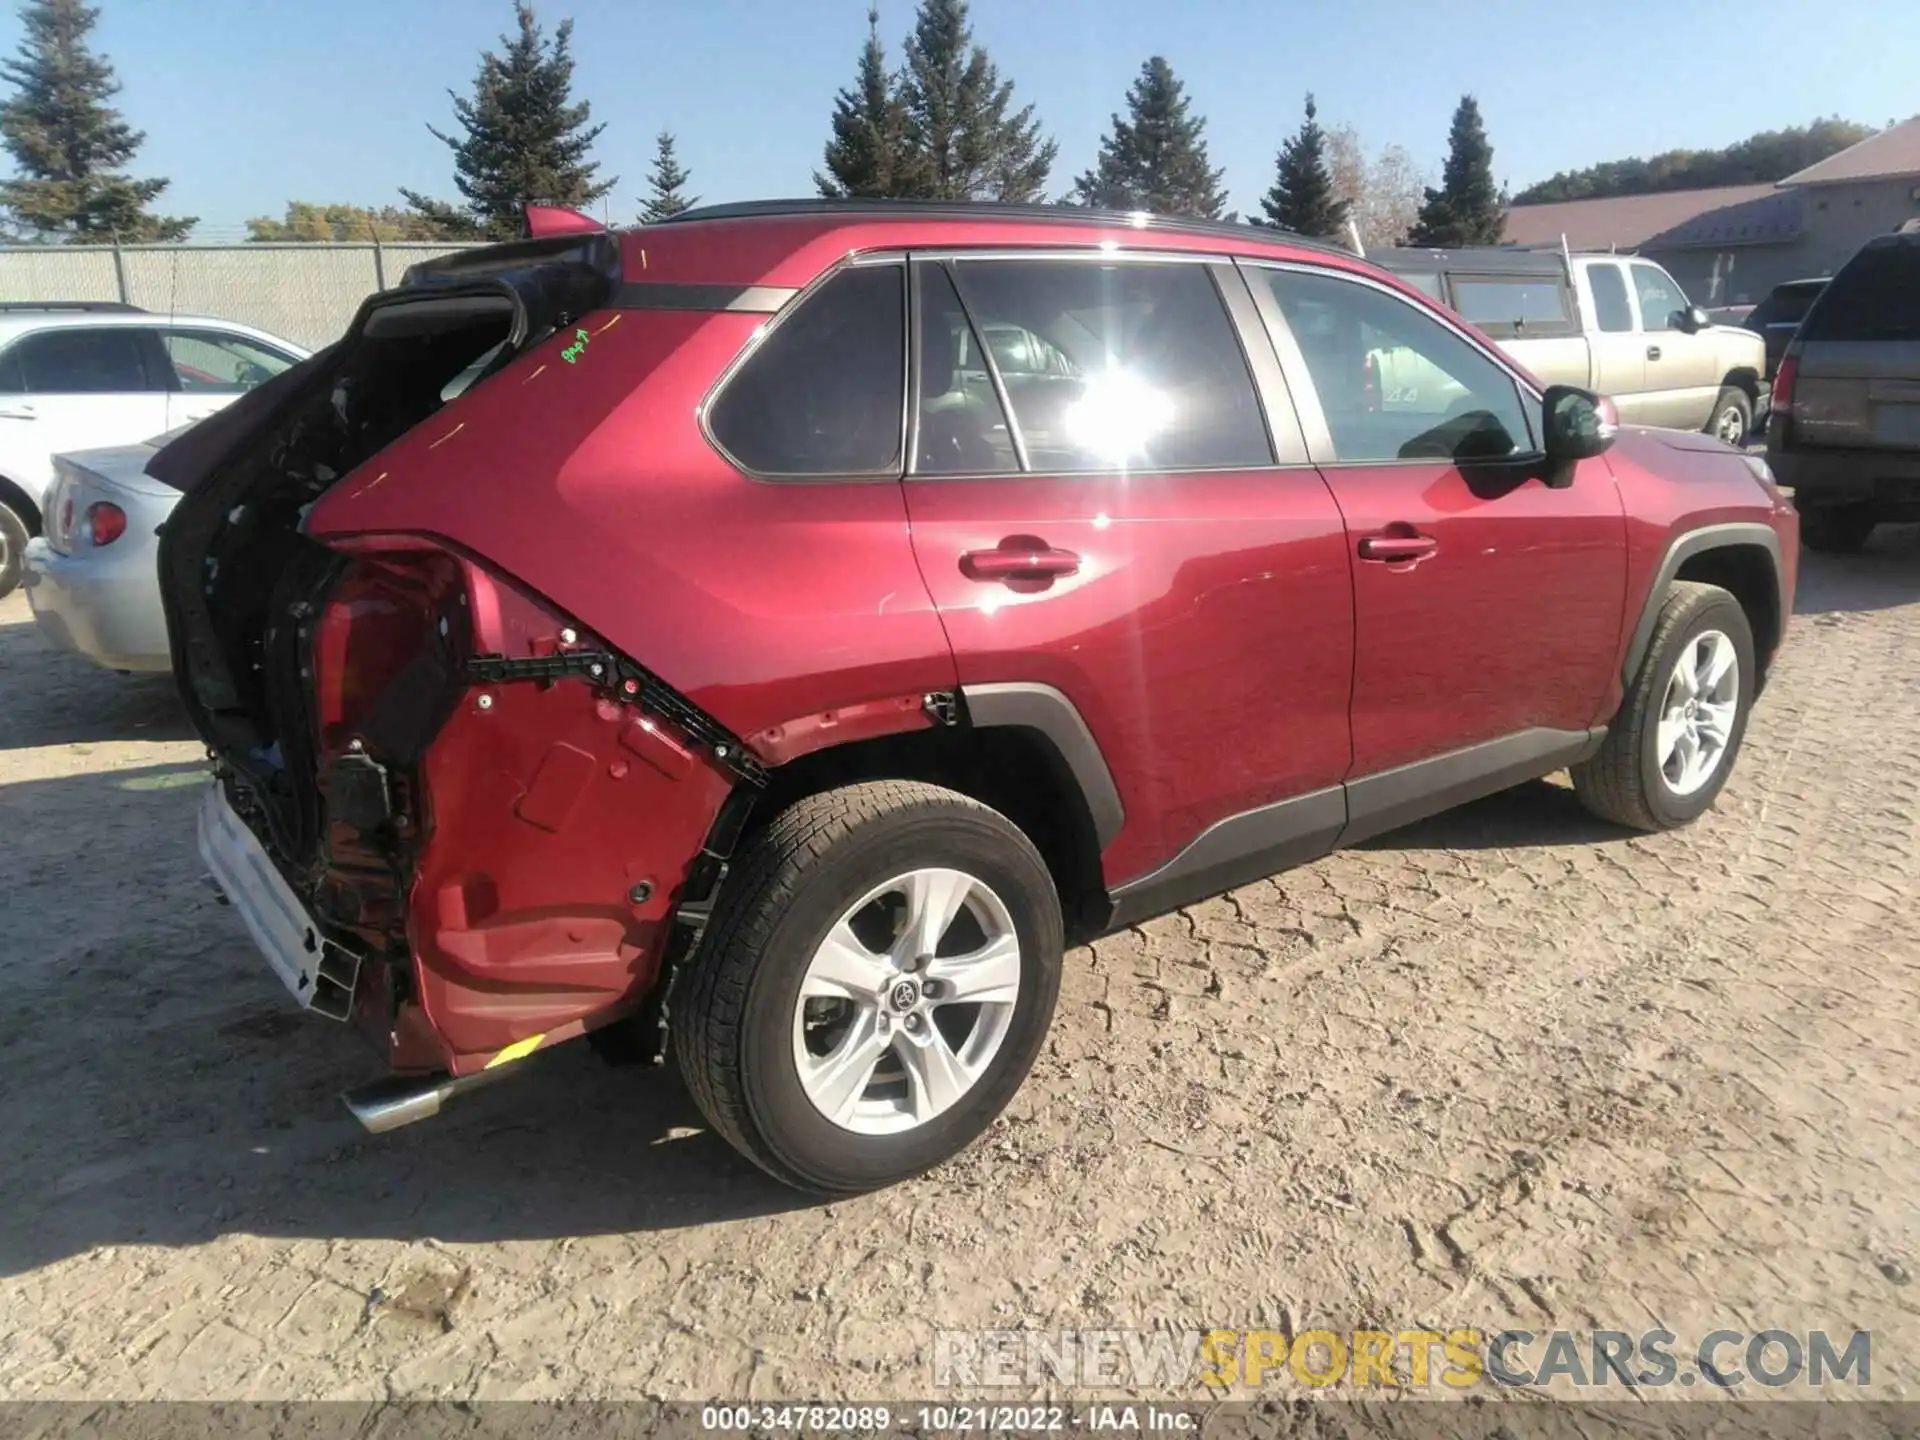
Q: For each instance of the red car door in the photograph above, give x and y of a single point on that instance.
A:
(1487, 605)
(1096, 509)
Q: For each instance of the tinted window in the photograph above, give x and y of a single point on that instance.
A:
(81, 362)
(207, 362)
(1510, 304)
(825, 391)
(1610, 305)
(963, 429)
(1658, 297)
(1142, 368)
(1876, 296)
(1393, 382)
(1787, 306)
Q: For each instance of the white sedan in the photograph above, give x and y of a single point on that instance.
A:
(88, 374)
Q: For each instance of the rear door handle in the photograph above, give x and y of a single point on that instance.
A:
(1385, 548)
(19, 412)
(1653, 352)
(1019, 558)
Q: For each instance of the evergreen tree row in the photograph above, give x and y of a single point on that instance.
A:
(943, 125)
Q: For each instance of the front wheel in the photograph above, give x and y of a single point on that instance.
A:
(1671, 747)
(1732, 416)
(879, 976)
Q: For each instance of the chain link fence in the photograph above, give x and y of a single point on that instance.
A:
(307, 293)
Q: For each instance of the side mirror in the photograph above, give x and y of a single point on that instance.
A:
(1691, 319)
(1578, 425)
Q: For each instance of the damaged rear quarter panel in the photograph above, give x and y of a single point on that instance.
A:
(549, 806)
(589, 485)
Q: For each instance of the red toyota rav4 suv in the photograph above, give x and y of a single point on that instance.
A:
(782, 630)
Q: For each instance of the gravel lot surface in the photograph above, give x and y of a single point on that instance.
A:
(1507, 1068)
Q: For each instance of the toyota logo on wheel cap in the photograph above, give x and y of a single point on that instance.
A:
(904, 995)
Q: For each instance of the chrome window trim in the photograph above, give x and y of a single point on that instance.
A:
(1313, 419)
(703, 412)
(994, 378)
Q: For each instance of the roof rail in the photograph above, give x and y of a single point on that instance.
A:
(107, 306)
(996, 210)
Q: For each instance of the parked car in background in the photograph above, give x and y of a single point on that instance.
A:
(1612, 323)
(86, 375)
(1845, 434)
(718, 641)
(1775, 318)
(92, 575)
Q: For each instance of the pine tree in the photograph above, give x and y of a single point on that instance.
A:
(1467, 209)
(1303, 198)
(1156, 160)
(524, 144)
(668, 182)
(967, 145)
(868, 156)
(68, 142)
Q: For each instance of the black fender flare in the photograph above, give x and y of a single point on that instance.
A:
(1042, 708)
(1684, 547)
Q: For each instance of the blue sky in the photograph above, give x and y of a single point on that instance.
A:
(250, 103)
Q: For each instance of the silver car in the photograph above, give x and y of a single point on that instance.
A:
(92, 577)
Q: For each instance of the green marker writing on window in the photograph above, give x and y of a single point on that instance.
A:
(574, 351)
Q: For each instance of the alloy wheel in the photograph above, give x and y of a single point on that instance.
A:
(1730, 425)
(906, 1001)
(1698, 711)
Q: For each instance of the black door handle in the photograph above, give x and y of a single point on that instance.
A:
(1653, 352)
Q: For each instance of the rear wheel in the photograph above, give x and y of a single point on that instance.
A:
(13, 549)
(1835, 529)
(1671, 747)
(1732, 416)
(874, 987)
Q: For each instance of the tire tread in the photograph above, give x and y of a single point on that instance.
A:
(1609, 784)
(757, 893)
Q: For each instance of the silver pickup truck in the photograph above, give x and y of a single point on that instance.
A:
(1613, 323)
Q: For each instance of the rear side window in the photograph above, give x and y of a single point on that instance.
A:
(1132, 364)
(1427, 285)
(824, 392)
(1876, 296)
(1512, 306)
(1610, 308)
(80, 362)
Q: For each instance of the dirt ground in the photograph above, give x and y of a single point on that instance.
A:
(1507, 1068)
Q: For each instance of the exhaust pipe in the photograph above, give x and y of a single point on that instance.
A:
(396, 1100)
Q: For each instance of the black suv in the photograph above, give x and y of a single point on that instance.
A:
(1845, 429)
(1776, 318)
